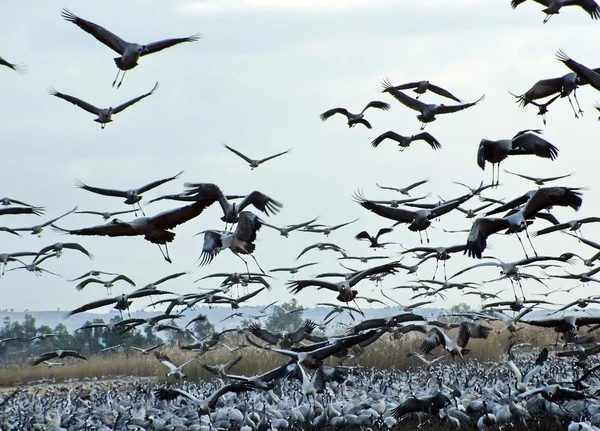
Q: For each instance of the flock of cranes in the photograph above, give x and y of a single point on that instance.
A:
(550, 378)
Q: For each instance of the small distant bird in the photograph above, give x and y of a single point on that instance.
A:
(553, 7)
(58, 247)
(538, 180)
(354, 119)
(107, 215)
(326, 230)
(295, 269)
(421, 87)
(374, 239)
(523, 143)
(58, 354)
(104, 114)
(93, 273)
(37, 229)
(285, 231)
(405, 141)
(19, 68)
(132, 196)
(130, 52)
(323, 246)
(405, 190)
(254, 163)
(108, 284)
(427, 111)
(121, 302)
(147, 350)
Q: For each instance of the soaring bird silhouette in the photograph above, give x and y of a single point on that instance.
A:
(359, 118)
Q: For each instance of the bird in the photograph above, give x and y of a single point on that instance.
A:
(207, 405)
(104, 114)
(58, 247)
(354, 119)
(428, 363)
(523, 143)
(108, 284)
(542, 107)
(285, 231)
(427, 111)
(37, 229)
(147, 350)
(417, 220)
(326, 230)
(252, 162)
(21, 210)
(455, 346)
(155, 229)
(421, 87)
(19, 68)
(122, 302)
(374, 239)
(231, 211)
(92, 273)
(283, 339)
(58, 354)
(573, 225)
(174, 370)
(405, 141)
(553, 7)
(241, 241)
(130, 53)
(542, 198)
(323, 246)
(107, 215)
(132, 196)
(295, 269)
(405, 190)
(539, 181)
(342, 288)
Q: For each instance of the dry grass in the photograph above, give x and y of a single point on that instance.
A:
(386, 353)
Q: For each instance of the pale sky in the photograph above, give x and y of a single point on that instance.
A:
(257, 80)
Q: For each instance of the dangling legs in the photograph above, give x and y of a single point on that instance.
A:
(116, 78)
(572, 107)
(578, 106)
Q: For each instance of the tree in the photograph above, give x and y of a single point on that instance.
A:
(203, 328)
(285, 317)
(458, 308)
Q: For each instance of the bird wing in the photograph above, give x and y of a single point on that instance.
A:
(376, 104)
(169, 277)
(108, 229)
(582, 71)
(408, 101)
(442, 92)
(446, 109)
(398, 214)
(101, 191)
(301, 333)
(274, 155)
(126, 105)
(76, 246)
(541, 89)
(101, 34)
(234, 151)
(172, 393)
(325, 115)
(297, 285)
(551, 196)
(75, 101)
(93, 305)
(590, 6)
(482, 228)
(427, 137)
(462, 271)
(387, 135)
(388, 268)
(435, 337)
(153, 47)
(530, 143)
(171, 218)
(157, 183)
(124, 278)
(19, 68)
(361, 235)
(74, 354)
(45, 357)
(468, 330)
(261, 202)
(230, 387)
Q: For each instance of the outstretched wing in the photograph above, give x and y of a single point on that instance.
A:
(126, 105)
(109, 39)
(153, 47)
(75, 101)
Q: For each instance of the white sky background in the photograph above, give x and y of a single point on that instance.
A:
(258, 79)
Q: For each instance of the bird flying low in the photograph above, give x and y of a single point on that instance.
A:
(130, 52)
(104, 114)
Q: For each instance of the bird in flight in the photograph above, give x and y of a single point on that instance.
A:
(129, 52)
(254, 163)
(104, 114)
(359, 118)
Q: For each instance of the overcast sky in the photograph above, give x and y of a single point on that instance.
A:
(257, 80)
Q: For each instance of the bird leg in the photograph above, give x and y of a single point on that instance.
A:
(255, 261)
(576, 100)
(445, 276)
(420, 237)
(166, 257)
(522, 246)
(423, 126)
(143, 213)
(427, 236)
(437, 263)
(121, 81)
(572, 107)
(530, 243)
(116, 78)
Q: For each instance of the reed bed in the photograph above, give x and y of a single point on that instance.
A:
(386, 353)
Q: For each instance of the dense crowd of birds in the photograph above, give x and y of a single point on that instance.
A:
(522, 390)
